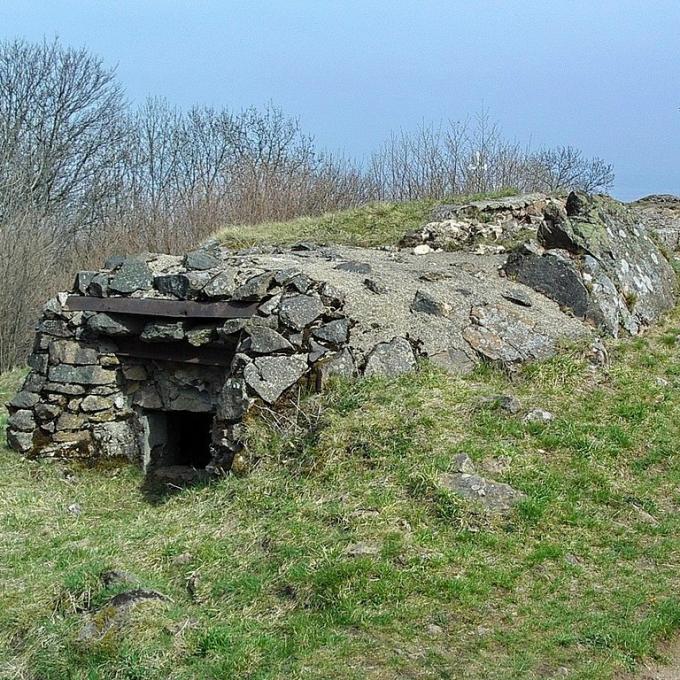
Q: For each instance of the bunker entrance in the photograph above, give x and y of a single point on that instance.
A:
(178, 439)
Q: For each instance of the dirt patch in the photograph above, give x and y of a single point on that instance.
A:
(656, 670)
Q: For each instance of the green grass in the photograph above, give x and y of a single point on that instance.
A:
(581, 581)
(372, 225)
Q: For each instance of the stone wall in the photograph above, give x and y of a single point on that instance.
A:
(83, 397)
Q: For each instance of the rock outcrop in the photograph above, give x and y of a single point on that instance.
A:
(595, 259)
(452, 227)
(660, 216)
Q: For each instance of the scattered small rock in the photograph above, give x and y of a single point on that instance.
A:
(494, 496)
(362, 550)
(428, 304)
(182, 559)
(517, 297)
(462, 463)
(114, 613)
(538, 415)
(354, 267)
(114, 577)
(75, 509)
(510, 403)
(375, 286)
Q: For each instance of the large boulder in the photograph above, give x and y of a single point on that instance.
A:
(595, 259)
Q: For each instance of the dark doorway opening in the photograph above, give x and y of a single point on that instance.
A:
(179, 438)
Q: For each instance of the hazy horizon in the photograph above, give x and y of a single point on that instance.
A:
(602, 78)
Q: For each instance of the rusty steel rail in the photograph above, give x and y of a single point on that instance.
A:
(178, 309)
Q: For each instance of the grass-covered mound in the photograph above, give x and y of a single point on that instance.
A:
(339, 556)
(375, 224)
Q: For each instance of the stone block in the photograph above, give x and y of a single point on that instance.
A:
(390, 359)
(233, 401)
(163, 331)
(298, 311)
(81, 375)
(71, 352)
(22, 420)
(115, 439)
(20, 441)
(93, 403)
(22, 400)
(132, 275)
(270, 376)
(70, 421)
(118, 325)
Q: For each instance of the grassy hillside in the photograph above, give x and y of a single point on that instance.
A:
(262, 572)
(376, 224)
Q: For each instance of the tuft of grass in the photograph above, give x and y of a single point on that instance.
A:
(340, 555)
(375, 224)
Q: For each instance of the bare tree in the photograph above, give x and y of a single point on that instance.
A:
(60, 112)
(566, 168)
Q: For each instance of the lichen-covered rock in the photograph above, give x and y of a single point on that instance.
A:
(116, 439)
(340, 365)
(99, 285)
(496, 497)
(20, 441)
(131, 275)
(81, 375)
(201, 260)
(598, 262)
(163, 331)
(660, 216)
(255, 288)
(72, 352)
(298, 311)
(427, 304)
(452, 227)
(221, 286)
(233, 402)
(270, 376)
(83, 281)
(106, 324)
(24, 399)
(390, 359)
(22, 420)
(263, 340)
(185, 286)
(70, 421)
(335, 332)
(93, 403)
(200, 335)
(499, 335)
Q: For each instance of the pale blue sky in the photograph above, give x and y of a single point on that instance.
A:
(603, 76)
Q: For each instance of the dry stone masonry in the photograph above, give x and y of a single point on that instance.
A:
(160, 358)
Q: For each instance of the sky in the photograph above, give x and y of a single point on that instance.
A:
(603, 75)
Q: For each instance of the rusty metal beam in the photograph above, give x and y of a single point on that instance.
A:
(179, 309)
(175, 351)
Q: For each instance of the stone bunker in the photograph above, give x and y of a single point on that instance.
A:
(159, 358)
